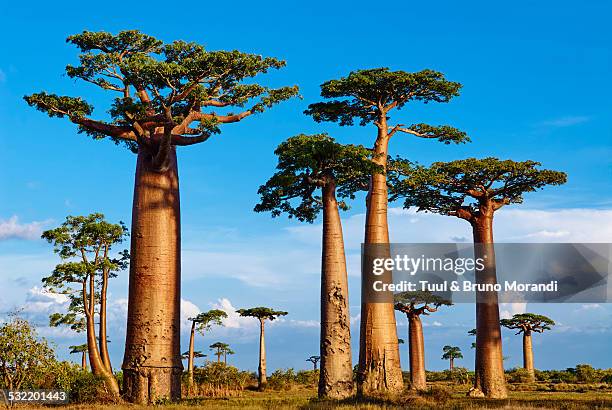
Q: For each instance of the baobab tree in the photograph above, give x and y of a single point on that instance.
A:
(220, 349)
(82, 349)
(415, 305)
(166, 96)
(316, 174)
(474, 189)
(197, 354)
(451, 353)
(369, 96)
(528, 323)
(203, 322)
(314, 360)
(472, 333)
(226, 351)
(84, 243)
(262, 314)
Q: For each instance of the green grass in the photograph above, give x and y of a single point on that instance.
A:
(305, 398)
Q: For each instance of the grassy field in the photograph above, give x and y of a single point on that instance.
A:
(445, 397)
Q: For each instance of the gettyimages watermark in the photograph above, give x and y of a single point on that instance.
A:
(457, 272)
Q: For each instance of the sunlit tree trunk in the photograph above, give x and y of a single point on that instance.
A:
(191, 349)
(379, 361)
(528, 355)
(261, 369)
(416, 350)
(336, 374)
(103, 338)
(84, 360)
(152, 364)
(489, 378)
(97, 366)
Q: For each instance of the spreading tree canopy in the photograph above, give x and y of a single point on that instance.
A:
(205, 320)
(167, 94)
(262, 313)
(528, 322)
(419, 302)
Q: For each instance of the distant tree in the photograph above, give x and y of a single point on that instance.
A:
(163, 96)
(22, 353)
(369, 96)
(84, 243)
(474, 189)
(472, 333)
(314, 360)
(220, 349)
(400, 341)
(527, 323)
(202, 323)
(451, 353)
(82, 349)
(414, 305)
(316, 174)
(262, 314)
(196, 355)
(226, 352)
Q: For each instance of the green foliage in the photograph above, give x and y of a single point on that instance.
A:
(528, 322)
(451, 352)
(23, 355)
(451, 187)
(161, 86)
(419, 302)
(78, 348)
(84, 243)
(307, 163)
(261, 313)
(205, 320)
(215, 377)
(519, 376)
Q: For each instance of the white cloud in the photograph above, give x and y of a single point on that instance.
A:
(233, 320)
(188, 310)
(507, 310)
(12, 229)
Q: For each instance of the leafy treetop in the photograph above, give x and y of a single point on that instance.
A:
(307, 163)
(418, 303)
(261, 313)
(451, 352)
(528, 322)
(165, 93)
(78, 348)
(369, 95)
(470, 187)
(205, 320)
(196, 354)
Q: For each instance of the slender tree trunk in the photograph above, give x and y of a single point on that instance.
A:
(528, 355)
(190, 359)
(451, 363)
(97, 366)
(336, 375)
(103, 338)
(490, 378)
(261, 369)
(225, 359)
(379, 360)
(152, 365)
(416, 350)
(84, 360)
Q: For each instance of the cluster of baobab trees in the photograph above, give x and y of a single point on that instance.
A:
(170, 95)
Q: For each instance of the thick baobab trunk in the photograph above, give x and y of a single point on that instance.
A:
(261, 369)
(84, 360)
(103, 338)
(336, 374)
(489, 368)
(152, 363)
(379, 360)
(191, 349)
(528, 355)
(416, 350)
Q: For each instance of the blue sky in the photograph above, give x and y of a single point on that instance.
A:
(536, 86)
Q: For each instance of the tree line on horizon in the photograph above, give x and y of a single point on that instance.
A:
(178, 94)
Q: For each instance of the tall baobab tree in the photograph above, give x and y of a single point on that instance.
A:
(167, 96)
(262, 314)
(451, 353)
(226, 351)
(203, 322)
(415, 305)
(314, 360)
(220, 348)
(84, 243)
(474, 189)
(369, 96)
(527, 324)
(82, 349)
(317, 174)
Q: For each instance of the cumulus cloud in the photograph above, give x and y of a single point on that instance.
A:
(507, 310)
(12, 228)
